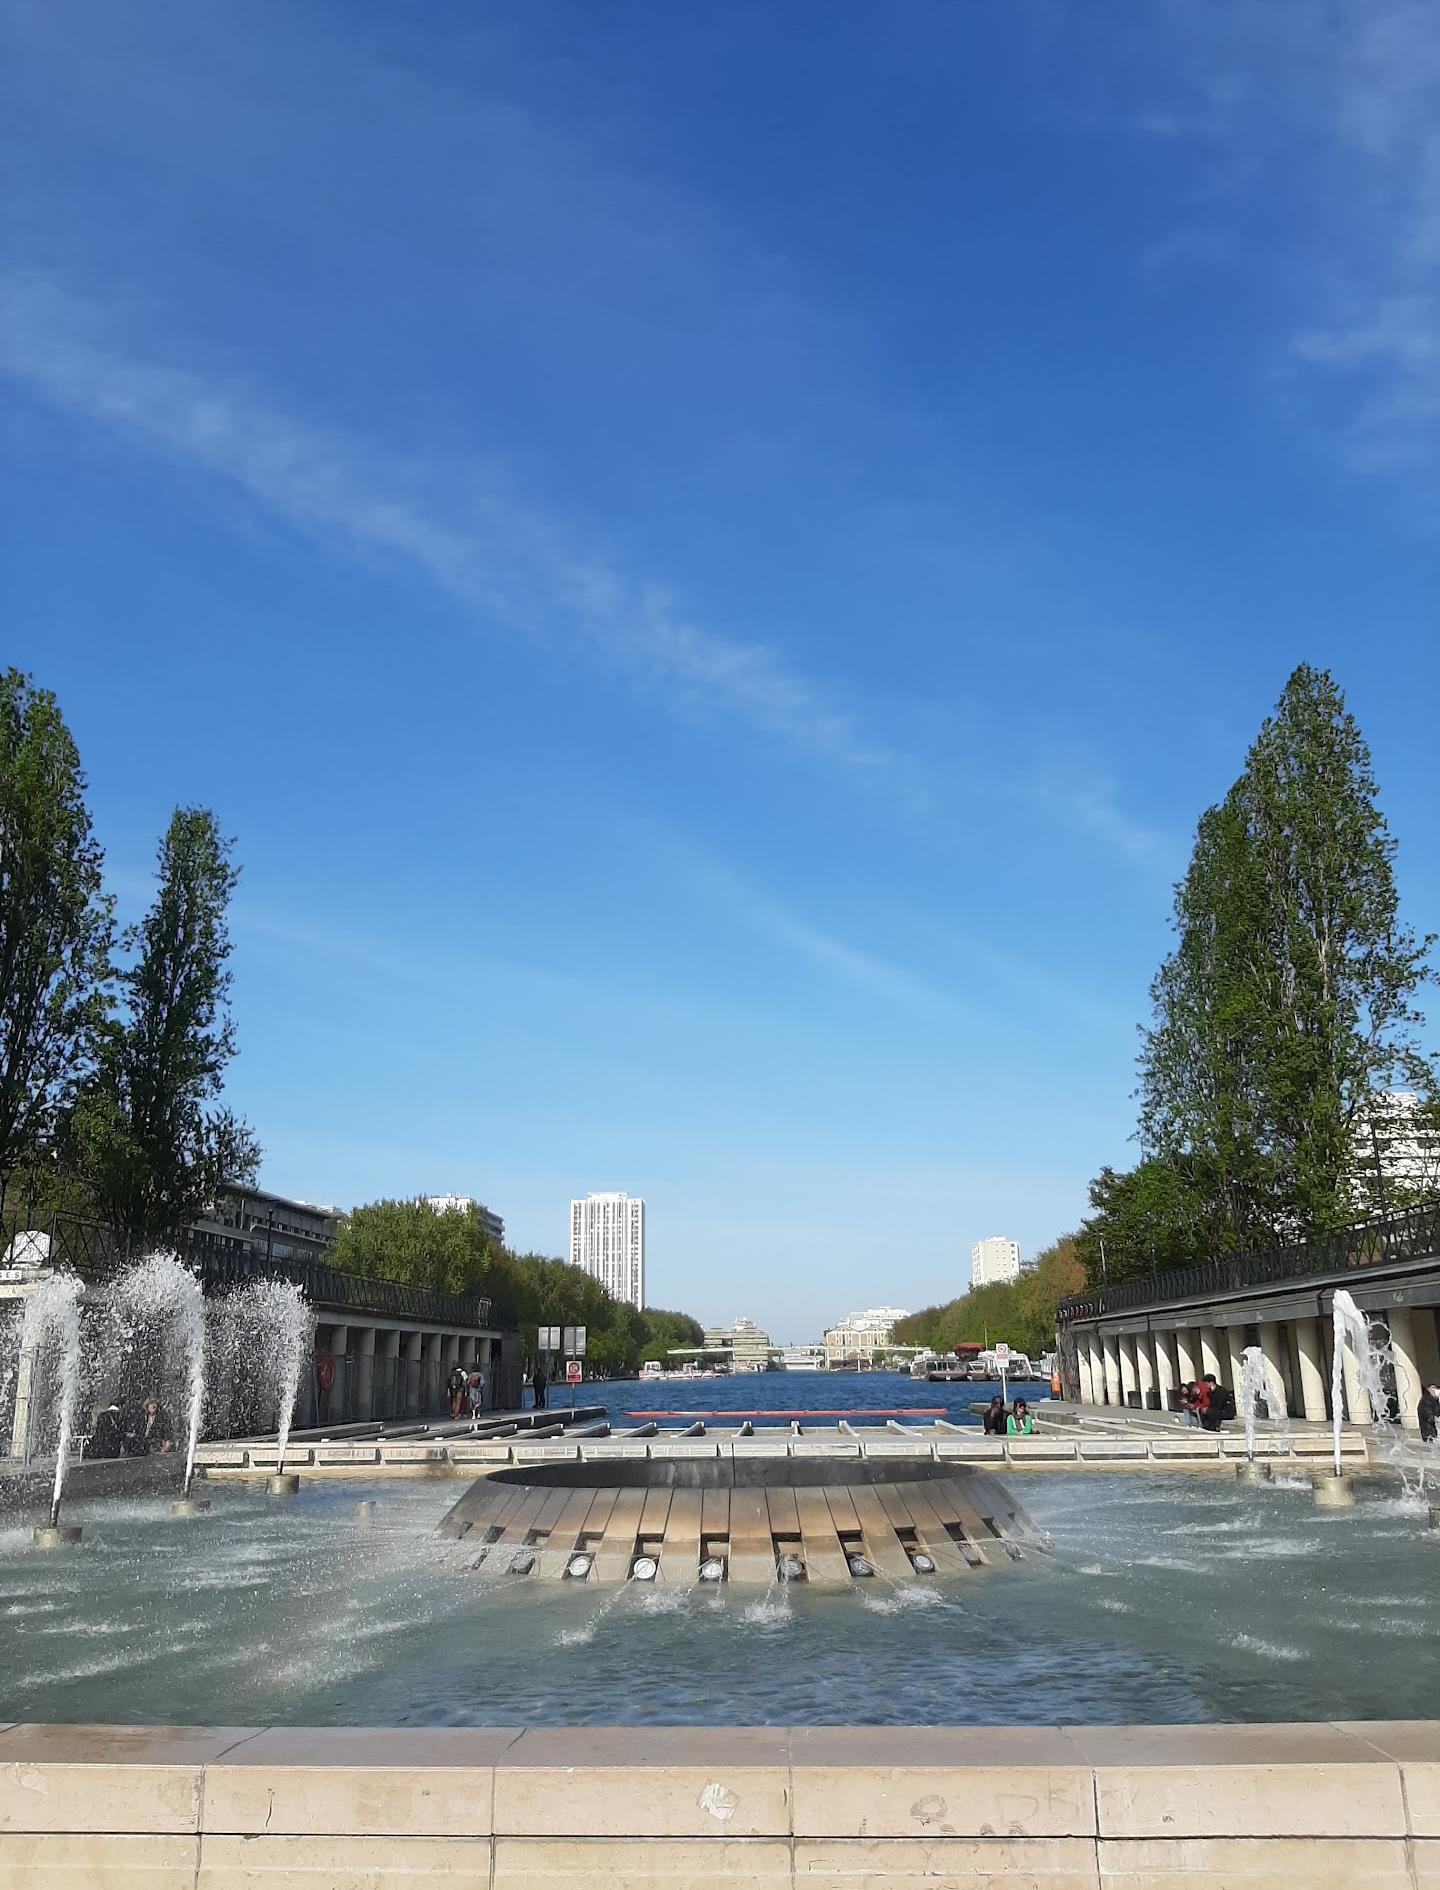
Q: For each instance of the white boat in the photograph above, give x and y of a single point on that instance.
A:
(802, 1358)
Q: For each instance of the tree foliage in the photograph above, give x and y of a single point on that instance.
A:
(1021, 1312)
(1286, 1010)
(153, 1140)
(450, 1251)
(56, 923)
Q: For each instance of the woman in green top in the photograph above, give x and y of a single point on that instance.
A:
(1020, 1423)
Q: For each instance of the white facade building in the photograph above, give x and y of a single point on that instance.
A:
(462, 1204)
(607, 1239)
(857, 1339)
(994, 1259)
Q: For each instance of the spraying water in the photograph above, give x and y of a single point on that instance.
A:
(162, 1313)
(50, 1342)
(270, 1329)
(1261, 1383)
(1351, 1324)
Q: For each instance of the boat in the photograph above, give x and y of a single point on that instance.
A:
(802, 1358)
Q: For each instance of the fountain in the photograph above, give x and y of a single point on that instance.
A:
(1260, 1383)
(50, 1341)
(261, 1335)
(161, 1313)
(1334, 1491)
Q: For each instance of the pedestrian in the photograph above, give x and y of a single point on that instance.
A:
(457, 1385)
(1197, 1402)
(538, 1382)
(1020, 1423)
(475, 1395)
(1219, 1403)
(995, 1417)
(1428, 1411)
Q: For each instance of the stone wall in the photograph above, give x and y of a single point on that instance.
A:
(1311, 1807)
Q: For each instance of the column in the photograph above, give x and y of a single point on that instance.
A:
(1357, 1404)
(411, 1343)
(1185, 1355)
(336, 1405)
(1144, 1370)
(1427, 1343)
(1273, 1351)
(1128, 1379)
(1082, 1367)
(492, 1390)
(1097, 1367)
(1234, 1337)
(1164, 1368)
(364, 1354)
(24, 1394)
(1407, 1367)
(1112, 1368)
(1209, 1351)
(1312, 1370)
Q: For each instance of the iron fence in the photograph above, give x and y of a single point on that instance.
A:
(96, 1252)
(1413, 1234)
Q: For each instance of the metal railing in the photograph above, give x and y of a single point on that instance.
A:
(1411, 1235)
(95, 1252)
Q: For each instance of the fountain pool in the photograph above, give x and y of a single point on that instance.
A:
(1169, 1597)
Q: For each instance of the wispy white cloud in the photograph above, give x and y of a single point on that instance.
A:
(1335, 106)
(489, 552)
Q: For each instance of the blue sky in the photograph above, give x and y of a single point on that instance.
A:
(710, 558)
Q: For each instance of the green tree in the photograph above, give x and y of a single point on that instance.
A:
(56, 926)
(447, 1250)
(1285, 1011)
(154, 1142)
(1021, 1312)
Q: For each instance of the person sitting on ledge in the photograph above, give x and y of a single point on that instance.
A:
(996, 1417)
(1428, 1412)
(156, 1435)
(1219, 1403)
(108, 1437)
(1020, 1423)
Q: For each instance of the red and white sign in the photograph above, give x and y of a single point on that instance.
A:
(574, 1371)
(1002, 1357)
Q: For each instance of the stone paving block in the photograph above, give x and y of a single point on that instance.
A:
(1106, 1449)
(692, 1782)
(1425, 1855)
(945, 1864)
(1185, 1447)
(263, 1457)
(892, 1446)
(1254, 1864)
(977, 1448)
(362, 1781)
(1359, 1800)
(1023, 1449)
(102, 1860)
(343, 1863)
(936, 1782)
(641, 1864)
(480, 1453)
(106, 1778)
(347, 1453)
(410, 1453)
(686, 1447)
(762, 1444)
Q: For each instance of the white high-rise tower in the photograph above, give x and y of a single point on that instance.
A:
(607, 1238)
(994, 1259)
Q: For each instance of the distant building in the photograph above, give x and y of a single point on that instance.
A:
(994, 1259)
(461, 1204)
(1395, 1153)
(607, 1239)
(859, 1338)
(271, 1226)
(748, 1346)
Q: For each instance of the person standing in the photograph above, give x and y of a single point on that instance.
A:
(538, 1382)
(475, 1394)
(457, 1386)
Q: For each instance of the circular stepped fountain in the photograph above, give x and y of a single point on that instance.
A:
(820, 1520)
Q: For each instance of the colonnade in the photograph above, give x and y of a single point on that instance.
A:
(386, 1371)
(1142, 1368)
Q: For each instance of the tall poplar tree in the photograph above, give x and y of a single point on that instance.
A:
(1289, 1001)
(155, 1142)
(56, 925)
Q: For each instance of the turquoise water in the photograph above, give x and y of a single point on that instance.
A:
(1172, 1596)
